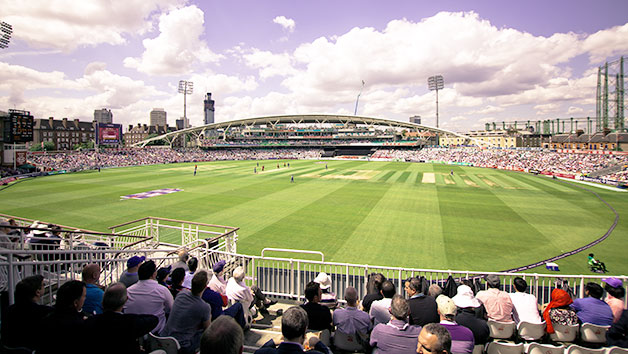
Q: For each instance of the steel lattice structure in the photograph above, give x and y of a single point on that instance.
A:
(609, 108)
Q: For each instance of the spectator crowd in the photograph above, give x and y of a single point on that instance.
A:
(209, 313)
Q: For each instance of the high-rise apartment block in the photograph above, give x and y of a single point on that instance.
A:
(158, 117)
(103, 116)
(209, 108)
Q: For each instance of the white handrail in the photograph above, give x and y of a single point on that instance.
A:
(294, 251)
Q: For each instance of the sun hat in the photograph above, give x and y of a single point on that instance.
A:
(464, 297)
(135, 261)
(445, 305)
(614, 282)
(219, 266)
(323, 279)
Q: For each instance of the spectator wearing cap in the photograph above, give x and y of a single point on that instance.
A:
(496, 302)
(591, 309)
(94, 293)
(471, 313)
(218, 283)
(462, 339)
(380, 309)
(129, 277)
(615, 293)
(328, 298)
(525, 305)
(148, 297)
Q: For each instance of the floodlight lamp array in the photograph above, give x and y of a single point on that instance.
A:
(186, 87)
(435, 82)
(5, 34)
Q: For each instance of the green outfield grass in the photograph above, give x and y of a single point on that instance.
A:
(379, 213)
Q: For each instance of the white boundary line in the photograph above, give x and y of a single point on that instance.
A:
(603, 186)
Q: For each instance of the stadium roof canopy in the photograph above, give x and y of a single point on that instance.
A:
(303, 120)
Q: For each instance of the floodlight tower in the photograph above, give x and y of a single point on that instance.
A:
(436, 83)
(355, 113)
(186, 88)
(5, 34)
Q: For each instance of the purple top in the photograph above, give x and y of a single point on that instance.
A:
(461, 337)
(592, 310)
(395, 337)
(350, 320)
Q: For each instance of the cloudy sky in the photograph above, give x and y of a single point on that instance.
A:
(501, 60)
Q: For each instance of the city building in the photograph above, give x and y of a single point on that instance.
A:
(209, 108)
(415, 119)
(139, 132)
(103, 116)
(158, 117)
(63, 133)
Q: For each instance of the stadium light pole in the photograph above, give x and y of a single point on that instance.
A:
(436, 83)
(186, 88)
(5, 34)
(355, 112)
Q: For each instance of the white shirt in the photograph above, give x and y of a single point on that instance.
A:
(526, 308)
(150, 298)
(238, 291)
(379, 311)
(218, 284)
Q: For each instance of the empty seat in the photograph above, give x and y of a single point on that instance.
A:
(168, 344)
(564, 333)
(504, 348)
(593, 333)
(538, 348)
(501, 330)
(347, 342)
(531, 331)
(576, 349)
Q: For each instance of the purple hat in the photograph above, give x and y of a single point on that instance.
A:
(219, 266)
(614, 282)
(135, 261)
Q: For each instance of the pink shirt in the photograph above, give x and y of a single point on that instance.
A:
(617, 306)
(149, 298)
(497, 303)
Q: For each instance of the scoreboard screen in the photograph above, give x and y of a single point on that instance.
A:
(18, 127)
(109, 134)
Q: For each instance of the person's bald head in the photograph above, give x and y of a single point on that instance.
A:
(114, 298)
(351, 295)
(91, 273)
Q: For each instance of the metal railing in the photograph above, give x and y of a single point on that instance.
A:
(287, 277)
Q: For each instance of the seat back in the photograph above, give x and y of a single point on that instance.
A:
(576, 349)
(564, 333)
(504, 348)
(616, 350)
(501, 330)
(17, 350)
(347, 342)
(538, 348)
(531, 331)
(478, 349)
(593, 333)
(168, 344)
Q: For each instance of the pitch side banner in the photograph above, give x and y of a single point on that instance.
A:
(109, 134)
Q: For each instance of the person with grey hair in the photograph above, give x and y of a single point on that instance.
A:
(238, 291)
(294, 324)
(350, 320)
(434, 291)
(396, 336)
(434, 339)
(223, 336)
(125, 328)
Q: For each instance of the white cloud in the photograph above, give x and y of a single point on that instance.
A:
(178, 48)
(543, 109)
(269, 64)
(68, 24)
(288, 24)
(574, 110)
(605, 44)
